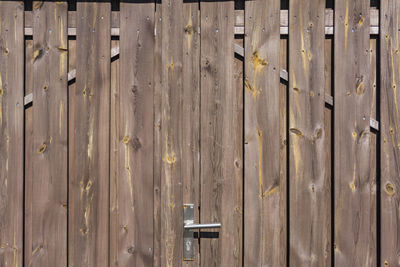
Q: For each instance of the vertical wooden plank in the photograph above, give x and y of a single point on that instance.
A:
(135, 171)
(390, 132)
(263, 200)
(309, 198)
(114, 153)
(219, 148)
(328, 120)
(283, 134)
(89, 138)
(171, 134)
(11, 132)
(28, 150)
(191, 112)
(354, 230)
(49, 185)
(157, 138)
(373, 248)
(238, 107)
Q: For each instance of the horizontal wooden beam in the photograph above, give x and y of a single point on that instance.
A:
(239, 22)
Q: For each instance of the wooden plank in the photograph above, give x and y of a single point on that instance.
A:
(171, 134)
(220, 201)
(135, 140)
(309, 191)
(114, 153)
(328, 148)
(191, 112)
(28, 153)
(49, 186)
(157, 137)
(390, 132)
(373, 159)
(238, 78)
(11, 132)
(89, 139)
(354, 228)
(283, 135)
(263, 201)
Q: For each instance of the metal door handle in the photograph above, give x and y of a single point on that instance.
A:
(188, 225)
(202, 226)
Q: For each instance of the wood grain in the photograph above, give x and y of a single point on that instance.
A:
(309, 198)
(11, 132)
(263, 229)
(28, 150)
(89, 139)
(283, 142)
(171, 134)
(114, 155)
(328, 120)
(135, 172)
(191, 112)
(354, 228)
(220, 201)
(157, 138)
(49, 155)
(390, 132)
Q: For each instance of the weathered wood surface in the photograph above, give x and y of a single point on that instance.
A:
(238, 21)
(28, 150)
(171, 134)
(191, 112)
(11, 132)
(114, 154)
(390, 132)
(134, 180)
(328, 121)
(238, 78)
(220, 201)
(309, 198)
(49, 155)
(373, 159)
(354, 231)
(283, 135)
(89, 139)
(263, 232)
(157, 137)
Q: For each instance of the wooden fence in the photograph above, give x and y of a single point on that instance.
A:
(278, 119)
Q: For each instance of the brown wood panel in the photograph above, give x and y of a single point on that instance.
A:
(134, 181)
(373, 159)
(263, 224)
(11, 132)
(28, 150)
(354, 229)
(328, 120)
(390, 132)
(157, 138)
(283, 168)
(89, 115)
(220, 193)
(49, 155)
(171, 134)
(191, 112)
(238, 71)
(114, 152)
(309, 196)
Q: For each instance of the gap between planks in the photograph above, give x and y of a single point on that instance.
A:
(28, 99)
(239, 22)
